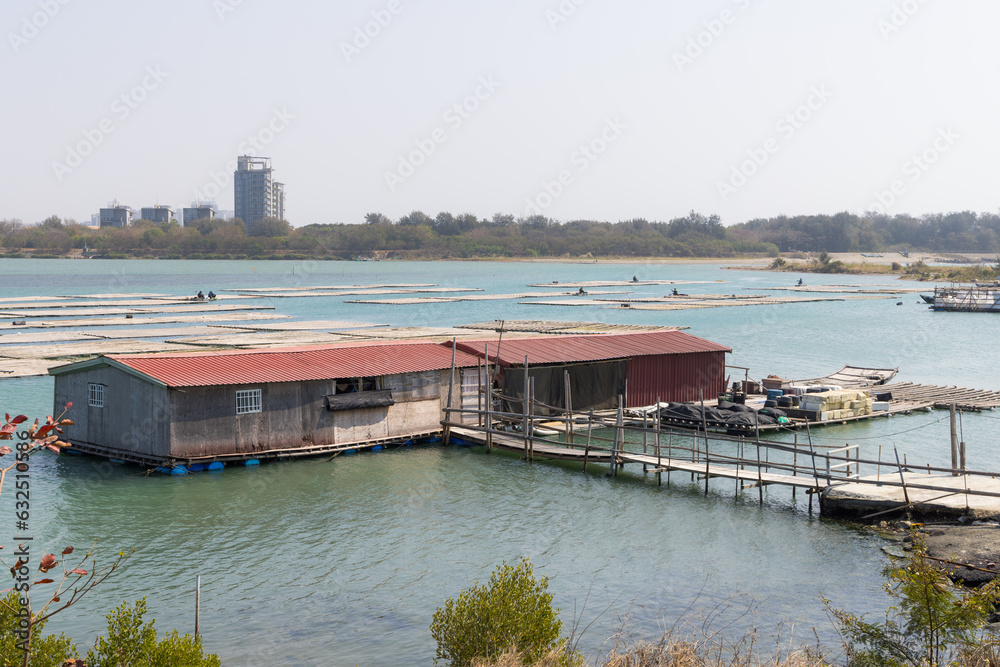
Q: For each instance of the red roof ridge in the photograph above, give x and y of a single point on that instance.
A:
(265, 350)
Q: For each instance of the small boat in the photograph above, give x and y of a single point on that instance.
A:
(851, 377)
(927, 298)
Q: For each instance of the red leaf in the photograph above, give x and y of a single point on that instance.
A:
(78, 570)
(18, 419)
(48, 562)
(69, 405)
(5, 450)
(45, 581)
(55, 599)
(67, 551)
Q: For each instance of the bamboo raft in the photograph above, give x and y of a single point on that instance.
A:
(943, 397)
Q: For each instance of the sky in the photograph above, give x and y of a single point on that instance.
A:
(572, 109)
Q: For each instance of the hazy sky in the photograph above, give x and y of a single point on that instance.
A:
(575, 109)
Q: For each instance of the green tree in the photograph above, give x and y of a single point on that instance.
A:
(45, 650)
(513, 611)
(932, 623)
(132, 643)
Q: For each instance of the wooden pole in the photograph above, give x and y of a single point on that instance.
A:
(489, 404)
(795, 459)
(760, 481)
(961, 448)
(451, 389)
(954, 442)
(479, 391)
(569, 408)
(526, 426)
(197, 605)
(704, 421)
(656, 440)
(644, 431)
(615, 443)
(590, 429)
(902, 478)
(670, 453)
(531, 419)
(496, 368)
(812, 455)
(706, 470)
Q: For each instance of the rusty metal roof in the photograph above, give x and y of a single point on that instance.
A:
(289, 364)
(589, 347)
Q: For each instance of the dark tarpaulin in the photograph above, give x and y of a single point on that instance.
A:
(596, 386)
(359, 399)
(727, 415)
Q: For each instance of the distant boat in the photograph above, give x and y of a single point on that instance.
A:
(971, 299)
(928, 298)
(852, 377)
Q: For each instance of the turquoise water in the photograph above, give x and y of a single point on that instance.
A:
(344, 561)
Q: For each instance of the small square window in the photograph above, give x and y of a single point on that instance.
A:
(247, 401)
(95, 395)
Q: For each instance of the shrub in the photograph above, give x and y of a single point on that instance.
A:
(513, 612)
(45, 651)
(933, 622)
(132, 642)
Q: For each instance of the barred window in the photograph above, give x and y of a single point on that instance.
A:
(248, 400)
(95, 395)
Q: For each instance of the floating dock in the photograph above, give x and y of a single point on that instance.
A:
(967, 298)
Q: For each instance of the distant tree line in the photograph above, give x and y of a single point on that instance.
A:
(413, 236)
(420, 236)
(966, 231)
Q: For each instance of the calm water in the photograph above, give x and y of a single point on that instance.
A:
(344, 561)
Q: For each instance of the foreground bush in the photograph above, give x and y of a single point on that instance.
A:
(132, 642)
(932, 623)
(512, 615)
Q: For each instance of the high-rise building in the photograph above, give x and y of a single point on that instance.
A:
(256, 194)
(198, 211)
(157, 213)
(116, 215)
(278, 200)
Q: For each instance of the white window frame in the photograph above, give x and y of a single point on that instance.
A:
(95, 395)
(248, 401)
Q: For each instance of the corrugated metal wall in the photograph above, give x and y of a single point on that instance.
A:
(675, 377)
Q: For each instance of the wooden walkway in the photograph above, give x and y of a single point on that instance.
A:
(831, 475)
(942, 397)
(545, 449)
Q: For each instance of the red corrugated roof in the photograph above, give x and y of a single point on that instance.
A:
(589, 347)
(293, 364)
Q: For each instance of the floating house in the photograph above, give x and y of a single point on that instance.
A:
(203, 407)
(640, 367)
(968, 298)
